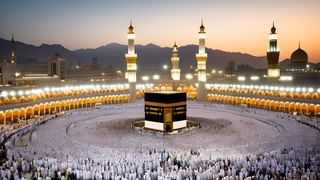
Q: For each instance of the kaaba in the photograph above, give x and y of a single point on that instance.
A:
(165, 111)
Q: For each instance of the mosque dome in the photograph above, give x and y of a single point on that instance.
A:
(299, 56)
(57, 54)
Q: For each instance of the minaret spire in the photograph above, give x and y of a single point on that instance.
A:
(12, 37)
(299, 44)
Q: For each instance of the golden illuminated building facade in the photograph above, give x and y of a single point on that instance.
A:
(273, 58)
(131, 58)
(202, 60)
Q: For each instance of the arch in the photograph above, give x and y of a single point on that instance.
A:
(88, 102)
(308, 96)
(76, 92)
(277, 106)
(106, 100)
(298, 107)
(70, 93)
(2, 118)
(278, 94)
(304, 109)
(287, 107)
(292, 107)
(303, 95)
(257, 105)
(22, 114)
(9, 117)
(311, 110)
(29, 112)
(59, 94)
(52, 107)
(296, 95)
(253, 103)
(47, 108)
(317, 110)
(13, 100)
(272, 105)
(15, 115)
(41, 110)
(63, 105)
(281, 106)
(290, 95)
(121, 98)
(36, 110)
(283, 94)
(22, 99)
(53, 94)
(67, 105)
(268, 105)
(58, 106)
(315, 96)
(262, 104)
(271, 93)
(48, 95)
(5, 101)
(248, 102)
(72, 106)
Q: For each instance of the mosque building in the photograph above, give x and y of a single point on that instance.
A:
(299, 61)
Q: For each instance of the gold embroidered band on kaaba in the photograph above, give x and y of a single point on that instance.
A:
(165, 105)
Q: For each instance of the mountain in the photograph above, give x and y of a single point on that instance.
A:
(40, 53)
(152, 56)
(283, 64)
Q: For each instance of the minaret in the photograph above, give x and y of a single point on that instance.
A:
(175, 72)
(131, 58)
(202, 59)
(13, 57)
(273, 58)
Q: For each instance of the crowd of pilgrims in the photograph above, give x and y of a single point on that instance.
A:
(303, 163)
(300, 164)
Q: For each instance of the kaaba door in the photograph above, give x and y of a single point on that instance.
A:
(167, 119)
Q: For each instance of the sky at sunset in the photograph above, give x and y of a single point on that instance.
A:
(235, 26)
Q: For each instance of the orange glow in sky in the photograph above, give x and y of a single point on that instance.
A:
(235, 26)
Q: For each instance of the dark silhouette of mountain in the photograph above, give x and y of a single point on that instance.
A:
(152, 56)
(283, 64)
(41, 53)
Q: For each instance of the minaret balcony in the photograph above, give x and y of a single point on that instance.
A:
(131, 55)
(201, 55)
